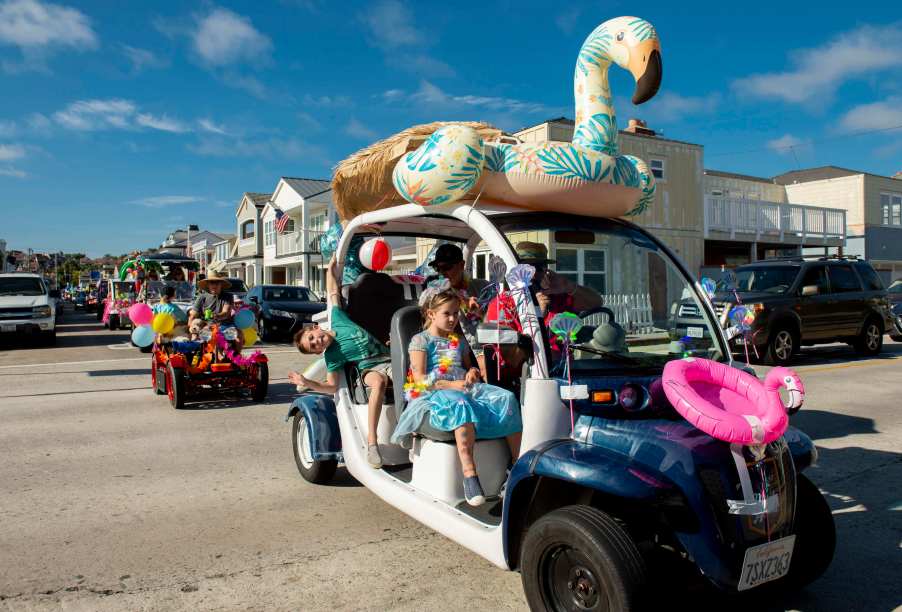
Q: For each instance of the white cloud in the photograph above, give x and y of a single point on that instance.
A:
(390, 24)
(331, 101)
(207, 125)
(873, 116)
(819, 71)
(309, 121)
(13, 172)
(162, 123)
(392, 95)
(167, 200)
(432, 94)
(784, 144)
(669, 107)
(424, 64)
(39, 122)
(30, 24)
(142, 58)
(8, 129)
(356, 129)
(11, 152)
(250, 84)
(224, 38)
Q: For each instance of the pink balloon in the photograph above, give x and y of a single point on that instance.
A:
(140, 314)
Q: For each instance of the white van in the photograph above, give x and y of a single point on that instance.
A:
(27, 307)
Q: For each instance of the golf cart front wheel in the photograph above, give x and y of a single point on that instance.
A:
(317, 471)
(579, 558)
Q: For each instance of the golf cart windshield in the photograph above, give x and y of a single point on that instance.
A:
(621, 283)
(123, 290)
(184, 291)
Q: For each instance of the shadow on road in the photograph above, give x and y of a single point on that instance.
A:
(841, 353)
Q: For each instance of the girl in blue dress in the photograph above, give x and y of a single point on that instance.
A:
(444, 387)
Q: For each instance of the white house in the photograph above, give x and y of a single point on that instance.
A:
(293, 257)
(245, 259)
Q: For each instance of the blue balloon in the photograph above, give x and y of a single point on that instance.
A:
(143, 335)
(244, 319)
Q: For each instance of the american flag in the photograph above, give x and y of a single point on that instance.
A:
(281, 221)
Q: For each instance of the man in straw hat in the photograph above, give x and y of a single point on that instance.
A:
(216, 304)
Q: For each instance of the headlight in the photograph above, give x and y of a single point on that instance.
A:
(280, 313)
(41, 311)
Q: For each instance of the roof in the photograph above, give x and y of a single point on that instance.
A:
(208, 236)
(259, 199)
(307, 187)
(814, 174)
(745, 177)
(656, 136)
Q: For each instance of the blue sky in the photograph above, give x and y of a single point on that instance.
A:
(117, 125)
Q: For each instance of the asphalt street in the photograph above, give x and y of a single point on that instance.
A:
(111, 500)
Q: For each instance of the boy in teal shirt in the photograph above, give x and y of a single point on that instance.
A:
(345, 343)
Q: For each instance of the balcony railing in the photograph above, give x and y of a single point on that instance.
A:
(788, 222)
(294, 243)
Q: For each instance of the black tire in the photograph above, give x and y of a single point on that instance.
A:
(99, 314)
(579, 558)
(781, 346)
(175, 386)
(815, 535)
(870, 340)
(48, 338)
(263, 331)
(114, 322)
(262, 384)
(312, 470)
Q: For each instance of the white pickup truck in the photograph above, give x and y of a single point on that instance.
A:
(27, 307)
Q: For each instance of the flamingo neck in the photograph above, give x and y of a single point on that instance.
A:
(596, 121)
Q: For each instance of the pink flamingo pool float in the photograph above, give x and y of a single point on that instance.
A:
(730, 404)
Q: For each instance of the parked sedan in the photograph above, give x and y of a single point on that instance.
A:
(282, 309)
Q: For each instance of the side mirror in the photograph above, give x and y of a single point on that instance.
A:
(809, 290)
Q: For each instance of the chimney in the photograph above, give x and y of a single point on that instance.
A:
(637, 126)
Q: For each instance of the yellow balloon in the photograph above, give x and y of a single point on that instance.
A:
(163, 323)
(250, 336)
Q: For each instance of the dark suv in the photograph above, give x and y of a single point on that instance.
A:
(802, 302)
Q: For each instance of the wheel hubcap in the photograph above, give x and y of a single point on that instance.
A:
(303, 443)
(569, 581)
(873, 338)
(783, 345)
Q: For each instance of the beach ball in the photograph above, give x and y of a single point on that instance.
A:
(163, 323)
(375, 254)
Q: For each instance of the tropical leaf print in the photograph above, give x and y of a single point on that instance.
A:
(569, 162)
(469, 172)
(625, 172)
(642, 30)
(423, 158)
(595, 49)
(598, 134)
(411, 192)
(646, 184)
(500, 158)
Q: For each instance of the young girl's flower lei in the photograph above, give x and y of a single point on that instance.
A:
(414, 389)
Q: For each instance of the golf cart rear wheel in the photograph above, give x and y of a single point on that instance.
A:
(815, 535)
(313, 470)
(579, 558)
(114, 322)
(261, 384)
(175, 386)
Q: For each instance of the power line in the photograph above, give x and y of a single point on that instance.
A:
(815, 141)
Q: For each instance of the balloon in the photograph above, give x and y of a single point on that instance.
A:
(245, 318)
(742, 317)
(163, 323)
(375, 254)
(143, 335)
(497, 269)
(520, 276)
(709, 287)
(565, 326)
(140, 314)
(250, 336)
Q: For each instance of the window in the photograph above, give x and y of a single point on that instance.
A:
(891, 208)
(870, 278)
(583, 266)
(289, 227)
(718, 193)
(817, 276)
(269, 233)
(657, 168)
(843, 279)
(247, 229)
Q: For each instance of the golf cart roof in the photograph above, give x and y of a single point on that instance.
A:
(173, 259)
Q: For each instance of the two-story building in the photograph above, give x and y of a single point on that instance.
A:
(245, 259)
(292, 256)
(219, 253)
(872, 204)
(202, 250)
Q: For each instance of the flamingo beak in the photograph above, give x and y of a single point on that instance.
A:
(645, 66)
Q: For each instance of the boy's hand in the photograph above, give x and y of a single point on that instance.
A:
(472, 377)
(298, 380)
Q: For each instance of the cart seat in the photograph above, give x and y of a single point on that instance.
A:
(374, 298)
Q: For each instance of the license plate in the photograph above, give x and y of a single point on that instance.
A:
(695, 332)
(766, 562)
(7, 328)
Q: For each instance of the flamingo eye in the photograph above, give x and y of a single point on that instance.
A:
(619, 36)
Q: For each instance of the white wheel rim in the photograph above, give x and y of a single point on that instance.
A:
(783, 345)
(303, 442)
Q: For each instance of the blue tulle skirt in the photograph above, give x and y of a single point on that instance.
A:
(493, 411)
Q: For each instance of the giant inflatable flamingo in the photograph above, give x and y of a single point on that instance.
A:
(730, 404)
(586, 175)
